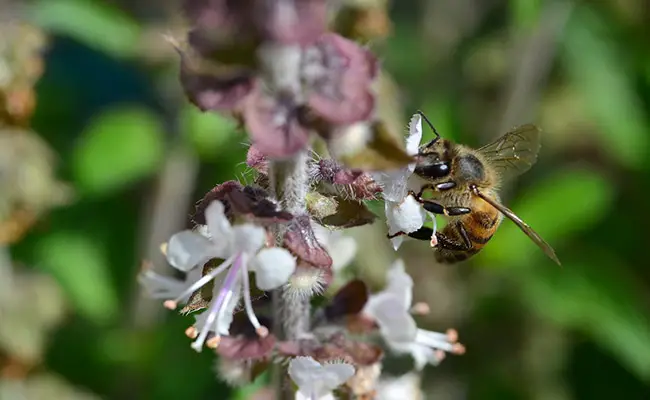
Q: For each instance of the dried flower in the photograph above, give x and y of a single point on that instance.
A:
(391, 309)
(239, 246)
(316, 381)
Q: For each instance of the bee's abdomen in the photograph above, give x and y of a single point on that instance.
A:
(465, 237)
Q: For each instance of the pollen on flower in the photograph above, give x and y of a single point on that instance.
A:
(306, 282)
(163, 249)
(422, 308)
(191, 332)
(213, 342)
(262, 331)
(170, 304)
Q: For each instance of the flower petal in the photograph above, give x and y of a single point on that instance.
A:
(422, 355)
(219, 227)
(415, 135)
(248, 238)
(273, 267)
(395, 323)
(400, 283)
(407, 216)
(340, 73)
(343, 251)
(272, 123)
(303, 370)
(228, 310)
(188, 249)
(335, 375)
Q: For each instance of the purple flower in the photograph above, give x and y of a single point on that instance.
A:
(339, 73)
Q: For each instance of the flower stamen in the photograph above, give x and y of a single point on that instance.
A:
(172, 304)
(248, 303)
(440, 341)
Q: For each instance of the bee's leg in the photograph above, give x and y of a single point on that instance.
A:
(437, 208)
(441, 187)
(447, 243)
(423, 233)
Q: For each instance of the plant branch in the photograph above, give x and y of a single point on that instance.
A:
(289, 183)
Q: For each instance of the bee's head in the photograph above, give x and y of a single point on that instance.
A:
(433, 161)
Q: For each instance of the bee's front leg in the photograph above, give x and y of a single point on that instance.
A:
(437, 208)
(423, 233)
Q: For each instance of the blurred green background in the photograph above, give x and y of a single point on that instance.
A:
(137, 157)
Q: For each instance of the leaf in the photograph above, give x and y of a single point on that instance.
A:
(81, 267)
(96, 24)
(349, 213)
(599, 72)
(117, 148)
(558, 207)
(369, 148)
(602, 302)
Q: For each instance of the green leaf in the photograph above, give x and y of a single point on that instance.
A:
(96, 24)
(599, 72)
(117, 148)
(208, 132)
(556, 208)
(79, 264)
(597, 298)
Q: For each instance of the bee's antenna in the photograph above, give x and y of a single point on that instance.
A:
(430, 126)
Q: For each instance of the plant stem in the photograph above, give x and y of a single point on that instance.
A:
(289, 183)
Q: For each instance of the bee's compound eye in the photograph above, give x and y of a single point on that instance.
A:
(439, 169)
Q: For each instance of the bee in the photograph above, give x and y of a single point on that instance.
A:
(464, 184)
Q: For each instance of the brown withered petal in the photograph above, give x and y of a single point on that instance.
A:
(349, 300)
(244, 348)
(256, 160)
(337, 347)
(273, 125)
(349, 213)
(296, 21)
(243, 343)
(302, 242)
(364, 188)
(246, 201)
(341, 90)
(331, 171)
(212, 90)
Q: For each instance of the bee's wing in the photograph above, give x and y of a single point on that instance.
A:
(515, 152)
(534, 236)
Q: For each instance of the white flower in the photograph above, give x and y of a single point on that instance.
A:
(391, 309)
(340, 247)
(241, 248)
(316, 381)
(403, 387)
(403, 212)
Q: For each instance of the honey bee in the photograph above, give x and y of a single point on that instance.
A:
(464, 185)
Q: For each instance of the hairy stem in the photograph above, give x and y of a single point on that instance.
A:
(289, 182)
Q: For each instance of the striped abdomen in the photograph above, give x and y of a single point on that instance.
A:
(466, 235)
